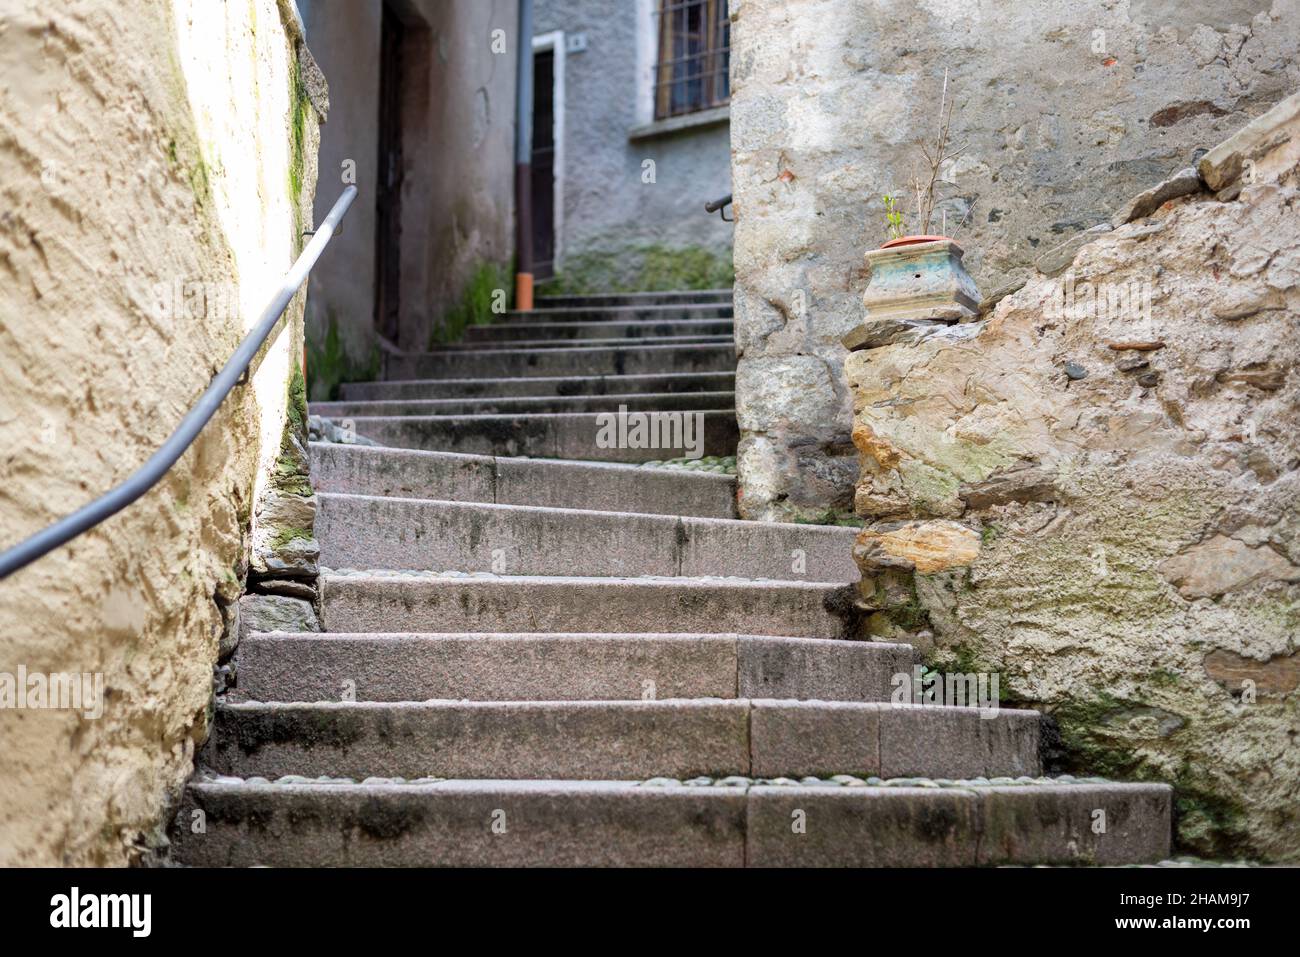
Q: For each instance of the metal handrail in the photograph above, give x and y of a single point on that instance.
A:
(148, 475)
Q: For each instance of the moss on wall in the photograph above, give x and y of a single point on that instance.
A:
(299, 115)
(642, 268)
(296, 408)
(1099, 737)
(291, 473)
(329, 364)
(475, 305)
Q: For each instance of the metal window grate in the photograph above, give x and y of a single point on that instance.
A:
(694, 56)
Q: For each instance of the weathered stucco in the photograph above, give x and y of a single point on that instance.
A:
(1102, 503)
(1065, 111)
(144, 146)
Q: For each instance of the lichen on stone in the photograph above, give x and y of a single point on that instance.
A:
(1135, 575)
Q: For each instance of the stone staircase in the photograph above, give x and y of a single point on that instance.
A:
(538, 651)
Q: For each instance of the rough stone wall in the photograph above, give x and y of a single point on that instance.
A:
(1064, 109)
(1101, 502)
(458, 169)
(144, 144)
(618, 231)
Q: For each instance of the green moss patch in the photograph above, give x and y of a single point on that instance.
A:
(1206, 820)
(329, 365)
(475, 305)
(641, 268)
(286, 535)
(299, 115)
(292, 470)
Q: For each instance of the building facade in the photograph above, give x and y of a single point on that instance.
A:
(632, 108)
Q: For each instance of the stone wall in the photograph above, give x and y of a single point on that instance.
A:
(617, 231)
(157, 165)
(457, 172)
(1096, 493)
(1064, 110)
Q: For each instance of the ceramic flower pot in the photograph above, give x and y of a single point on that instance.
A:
(913, 240)
(917, 283)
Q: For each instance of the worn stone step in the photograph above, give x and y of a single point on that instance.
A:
(563, 667)
(959, 827)
(601, 360)
(583, 331)
(512, 405)
(413, 602)
(625, 312)
(608, 486)
(539, 385)
(635, 298)
(469, 823)
(558, 435)
(604, 342)
(451, 824)
(371, 532)
(619, 739)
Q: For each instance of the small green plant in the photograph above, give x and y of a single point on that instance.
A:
(488, 287)
(938, 157)
(893, 216)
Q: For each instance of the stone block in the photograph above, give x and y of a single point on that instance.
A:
(795, 739)
(861, 827)
(614, 740)
(950, 742)
(1110, 824)
(1270, 144)
(268, 613)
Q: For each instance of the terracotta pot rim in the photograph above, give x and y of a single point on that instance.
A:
(915, 240)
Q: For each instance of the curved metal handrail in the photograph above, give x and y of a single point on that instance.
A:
(158, 464)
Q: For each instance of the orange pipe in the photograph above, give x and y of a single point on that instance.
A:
(524, 291)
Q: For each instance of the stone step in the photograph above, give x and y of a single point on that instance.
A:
(619, 739)
(706, 339)
(411, 602)
(408, 473)
(960, 827)
(512, 823)
(635, 299)
(540, 385)
(370, 532)
(510, 405)
(601, 360)
(559, 435)
(508, 331)
(560, 667)
(627, 312)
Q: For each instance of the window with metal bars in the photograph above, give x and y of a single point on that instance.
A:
(694, 54)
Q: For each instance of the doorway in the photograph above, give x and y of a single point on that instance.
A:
(547, 156)
(543, 164)
(388, 194)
